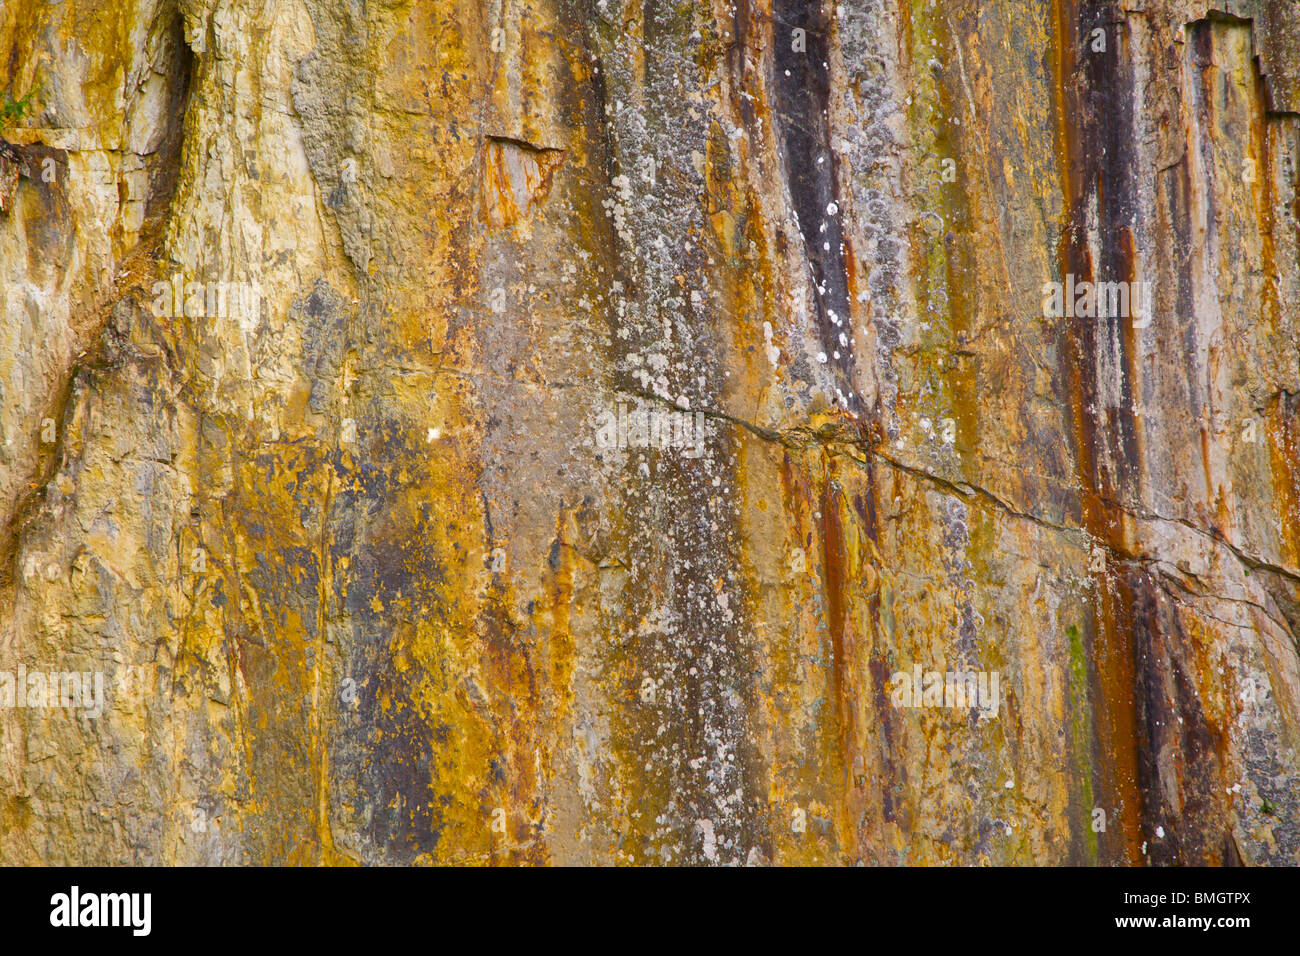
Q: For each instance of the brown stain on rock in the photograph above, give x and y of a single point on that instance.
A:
(515, 178)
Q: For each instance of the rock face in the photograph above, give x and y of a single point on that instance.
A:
(573, 432)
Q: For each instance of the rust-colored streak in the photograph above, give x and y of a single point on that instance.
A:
(848, 581)
(833, 584)
(1078, 91)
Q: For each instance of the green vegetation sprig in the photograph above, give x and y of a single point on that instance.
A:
(13, 112)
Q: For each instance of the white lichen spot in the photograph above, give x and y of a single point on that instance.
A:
(710, 841)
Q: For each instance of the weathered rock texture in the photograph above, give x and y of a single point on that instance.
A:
(364, 582)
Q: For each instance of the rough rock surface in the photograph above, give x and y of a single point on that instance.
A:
(341, 528)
